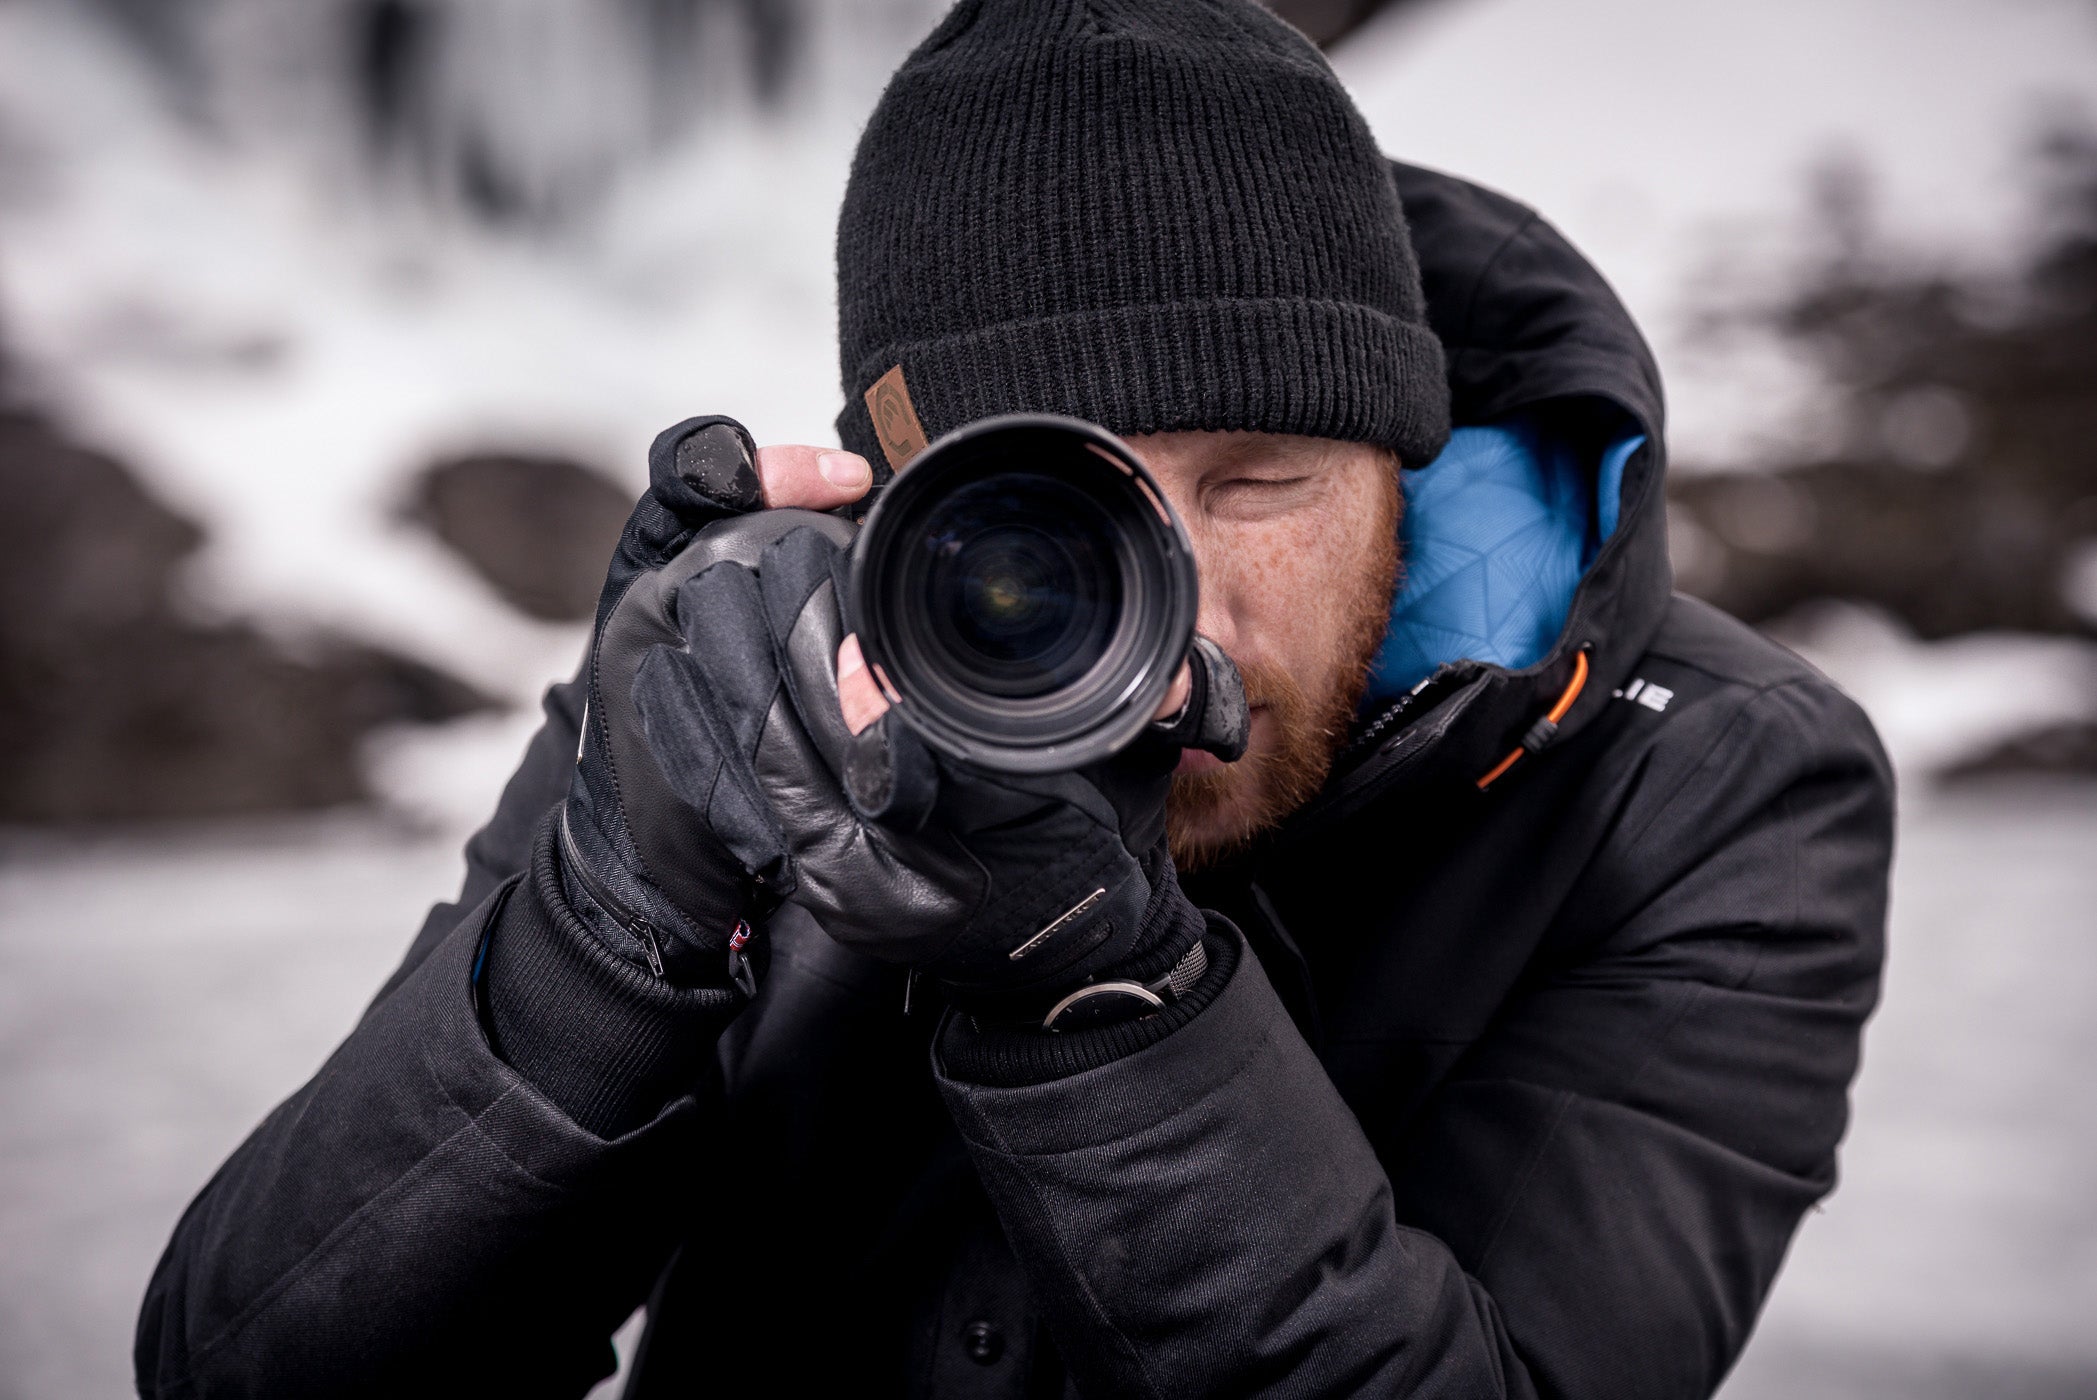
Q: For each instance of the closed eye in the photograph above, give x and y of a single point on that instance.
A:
(1261, 483)
(1260, 494)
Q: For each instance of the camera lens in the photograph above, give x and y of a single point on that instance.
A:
(1026, 593)
(1020, 584)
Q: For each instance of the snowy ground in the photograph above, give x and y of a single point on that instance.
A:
(157, 996)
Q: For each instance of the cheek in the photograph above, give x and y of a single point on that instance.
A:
(1251, 576)
(1294, 586)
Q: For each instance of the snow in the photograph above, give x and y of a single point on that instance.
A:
(1935, 703)
(279, 351)
(1959, 1255)
(158, 994)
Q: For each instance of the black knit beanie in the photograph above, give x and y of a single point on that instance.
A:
(1154, 214)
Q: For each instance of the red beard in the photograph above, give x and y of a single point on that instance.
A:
(1215, 814)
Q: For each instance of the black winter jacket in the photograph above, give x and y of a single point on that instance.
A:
(1516, 1092)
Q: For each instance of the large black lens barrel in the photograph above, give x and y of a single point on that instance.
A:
(1026, 592)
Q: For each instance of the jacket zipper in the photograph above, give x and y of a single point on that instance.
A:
(1369, 738)
(633, 923)
(1355, 781)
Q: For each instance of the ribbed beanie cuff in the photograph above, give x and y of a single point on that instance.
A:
(1326, 369)
(608, 1043)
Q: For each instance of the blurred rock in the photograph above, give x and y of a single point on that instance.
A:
(114, 707)
(540, 530)
(1972, 548)
(2059, 748)
(83, 548)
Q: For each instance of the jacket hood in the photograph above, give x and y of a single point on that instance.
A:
(1543, 356)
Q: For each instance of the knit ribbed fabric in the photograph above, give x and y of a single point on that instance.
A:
(1153, 214)
(608, 1043)
(1005, 1057)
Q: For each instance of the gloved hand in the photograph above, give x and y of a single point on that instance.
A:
(1013, 890)
(641, 870)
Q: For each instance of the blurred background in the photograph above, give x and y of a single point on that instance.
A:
(332, 336)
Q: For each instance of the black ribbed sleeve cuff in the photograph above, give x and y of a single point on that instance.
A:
(1007, 1057)
(607, 1042)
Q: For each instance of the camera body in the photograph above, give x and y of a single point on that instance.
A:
(1022, 591)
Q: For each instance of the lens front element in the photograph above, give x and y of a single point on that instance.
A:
(1020, 584)
(1027, 593)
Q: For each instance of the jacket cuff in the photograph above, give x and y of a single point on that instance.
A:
(1007, 1057)
(609, 1044)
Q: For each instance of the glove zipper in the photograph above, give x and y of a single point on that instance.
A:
(740, 971)
(633, 923)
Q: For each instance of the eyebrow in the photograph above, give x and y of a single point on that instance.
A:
(1290, 451)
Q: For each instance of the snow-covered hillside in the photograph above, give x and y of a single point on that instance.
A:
(278, 313)
(278, 339)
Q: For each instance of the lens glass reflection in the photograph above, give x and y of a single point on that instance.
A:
(1019, 584)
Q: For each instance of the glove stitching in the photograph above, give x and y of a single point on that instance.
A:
(1095, 862)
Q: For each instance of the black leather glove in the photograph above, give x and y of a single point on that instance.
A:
(641, 870)
(1013, 890)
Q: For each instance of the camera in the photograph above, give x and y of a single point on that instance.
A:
(1024, 593)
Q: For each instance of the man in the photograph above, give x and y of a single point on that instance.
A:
(1497, 1020)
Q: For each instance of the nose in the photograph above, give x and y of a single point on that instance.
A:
(1178, 481)
(1215, 619)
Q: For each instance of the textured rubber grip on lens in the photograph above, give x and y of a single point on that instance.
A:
(1215, 718)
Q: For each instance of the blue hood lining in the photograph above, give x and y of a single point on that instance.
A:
(1497, 534)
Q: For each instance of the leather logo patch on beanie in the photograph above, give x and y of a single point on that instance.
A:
(895, 418)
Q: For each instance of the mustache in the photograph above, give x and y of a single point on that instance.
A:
(1262, 693)
(1271, 687)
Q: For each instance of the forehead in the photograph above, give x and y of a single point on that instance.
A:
(1205, 452)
